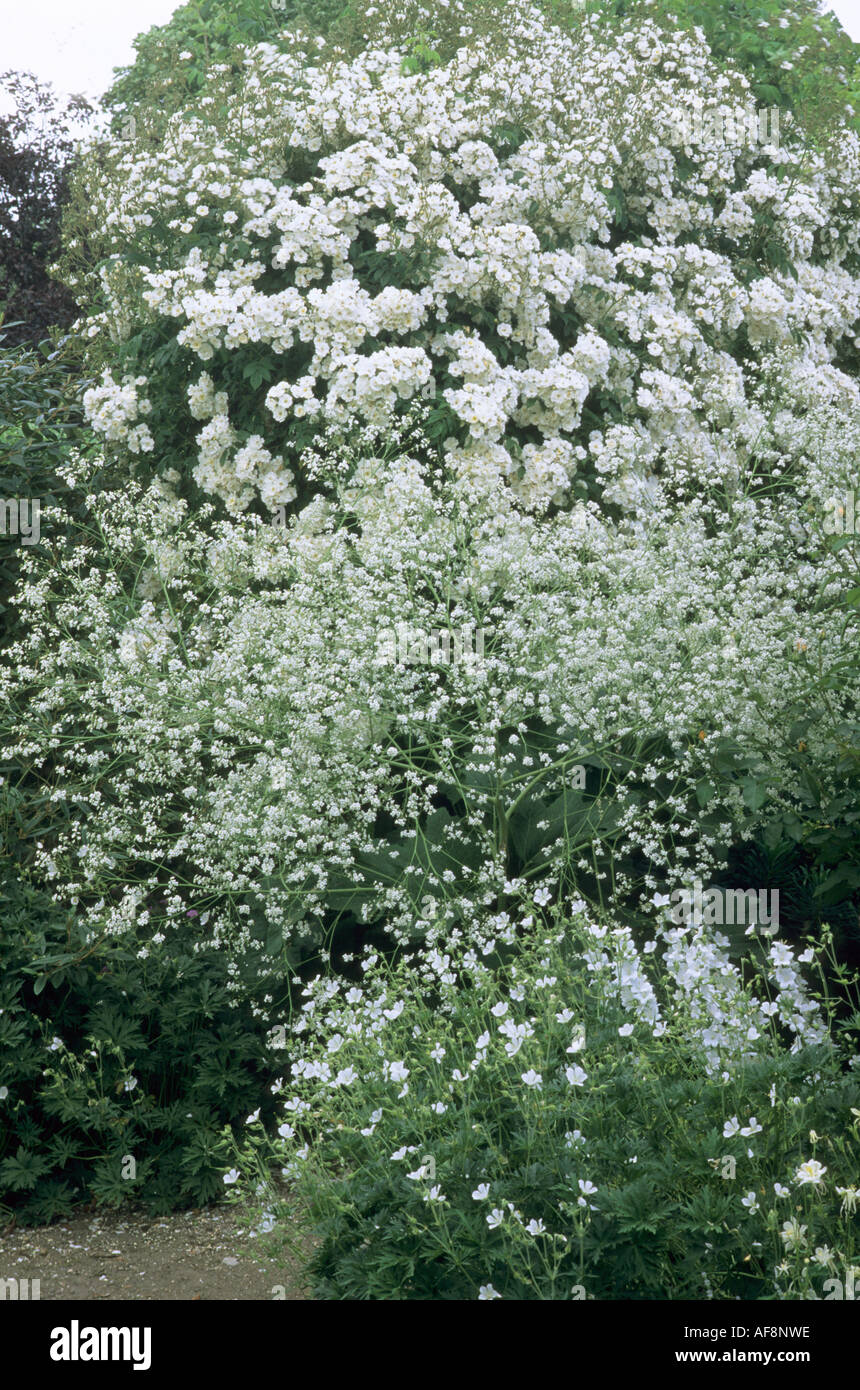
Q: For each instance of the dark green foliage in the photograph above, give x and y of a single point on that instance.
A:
(160, 82)
(40, 421)
(36, 154)
(811, 894)
(810, 852)
(68, 1123)
(821, 83)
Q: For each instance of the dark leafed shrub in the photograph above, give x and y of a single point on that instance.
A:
(37, 143)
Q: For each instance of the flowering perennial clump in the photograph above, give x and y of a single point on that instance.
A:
(488, 1167)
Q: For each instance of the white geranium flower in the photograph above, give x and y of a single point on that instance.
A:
(810, 1173)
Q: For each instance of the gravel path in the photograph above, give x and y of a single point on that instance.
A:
(192, 1255)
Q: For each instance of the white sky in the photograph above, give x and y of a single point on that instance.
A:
(848, 14)
(75, 44)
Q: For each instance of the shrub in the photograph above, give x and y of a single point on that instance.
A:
(37, 146)
(577, 323)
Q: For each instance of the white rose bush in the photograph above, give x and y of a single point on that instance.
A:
(472, 591)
